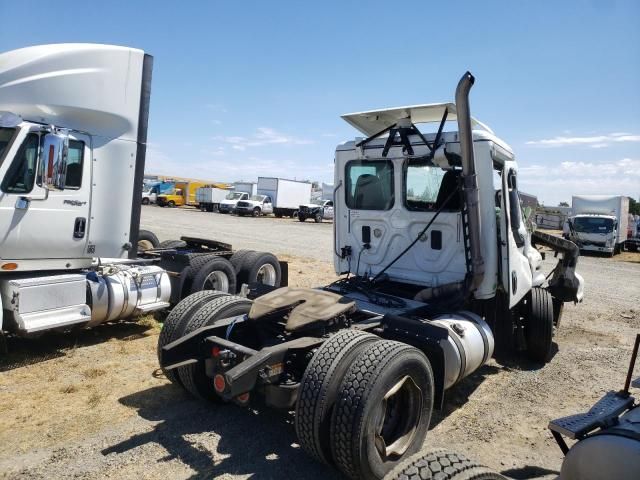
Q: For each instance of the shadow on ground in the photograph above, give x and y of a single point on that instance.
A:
(50, 345)
(528, 472)
(255, 441)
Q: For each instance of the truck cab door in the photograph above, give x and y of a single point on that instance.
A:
(516, 271)
(328, 210)
(40, 219)
(267, 206)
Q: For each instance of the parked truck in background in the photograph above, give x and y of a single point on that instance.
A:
(241, 191)
(151, 191)
(209, 198)
(286, 195)
(320, 208)
(183, 194)
(598, 223)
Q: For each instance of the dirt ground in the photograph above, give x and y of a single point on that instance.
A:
(92, 404)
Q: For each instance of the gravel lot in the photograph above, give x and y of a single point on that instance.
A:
(276, 235)
(92, 404)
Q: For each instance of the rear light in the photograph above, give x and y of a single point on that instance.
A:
(215, 352)
(219, 384)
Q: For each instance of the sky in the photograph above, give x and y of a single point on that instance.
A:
(243, 89)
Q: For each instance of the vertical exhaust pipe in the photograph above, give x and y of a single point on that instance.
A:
(470, 182)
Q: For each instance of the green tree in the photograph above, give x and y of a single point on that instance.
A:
(563, 204)
(634, 206)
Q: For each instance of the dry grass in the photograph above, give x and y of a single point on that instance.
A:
(93, 372)
(151, 323)
(69, 389)
(94, 399)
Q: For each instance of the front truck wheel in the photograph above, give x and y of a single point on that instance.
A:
(193, 376)
(539, 324)
(320, 386)
(442, 465)
(175, 323)
(383, 409)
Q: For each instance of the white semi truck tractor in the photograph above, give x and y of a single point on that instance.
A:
(438, 267)
(73, 123)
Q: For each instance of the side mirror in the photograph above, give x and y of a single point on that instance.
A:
(53, 161)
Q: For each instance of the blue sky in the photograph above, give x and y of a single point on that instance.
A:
(242, 89)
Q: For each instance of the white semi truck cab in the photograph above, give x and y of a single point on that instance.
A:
(73, 123)
(598, 223)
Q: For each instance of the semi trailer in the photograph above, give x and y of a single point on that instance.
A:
(73, 123)
(439, 272)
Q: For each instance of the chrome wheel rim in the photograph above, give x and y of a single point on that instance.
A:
(266, 275)
(400, 412)
(216, 281)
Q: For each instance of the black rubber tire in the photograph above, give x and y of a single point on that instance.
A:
(256, 212)
(302, 218)
(172, 244)
(147, 236)
(175, 323)
(319, 389)
(539, 324)
(171, 204)
(251, 263)
(193, 376)
(217, 264)
(440, 464)
(357, 411)
(237, 259)
(188, 274)
(317, 218)
(145, 201)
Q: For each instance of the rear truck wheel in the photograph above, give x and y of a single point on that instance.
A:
(301, 217)
(175, 323)
(256, 212)
(193, 376)
(259, 267)
(237, 259)
(217, 274)
(188, 273)
(320, 386)
(171, 204)
(442, 465)
(383, 409)
(172, 244)
(317, 218)
(294, 214)
(147, 240)
(539, 324)
(145, 201)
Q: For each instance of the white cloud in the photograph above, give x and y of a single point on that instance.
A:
(595, 141)
(263, 136)
(559, 182)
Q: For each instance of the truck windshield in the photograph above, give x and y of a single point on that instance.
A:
(593, 225)
(234, 196)
(318, 201)
(5, 138)
(258, 198)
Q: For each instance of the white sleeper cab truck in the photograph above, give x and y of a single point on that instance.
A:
(438, 268)
(599, 223)
(73, 123)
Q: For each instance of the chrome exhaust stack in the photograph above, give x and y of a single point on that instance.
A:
(470, 183)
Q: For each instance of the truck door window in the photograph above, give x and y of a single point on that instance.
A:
(369, 185)
(426, 187)
(514, 208)
(22, 171)
(75, 157)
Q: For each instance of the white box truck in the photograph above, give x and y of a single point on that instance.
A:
(241, 191)
(598, 223)
(209, 198)
(286, 195)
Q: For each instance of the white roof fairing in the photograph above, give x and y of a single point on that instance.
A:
(374, 121)
(86, 87)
